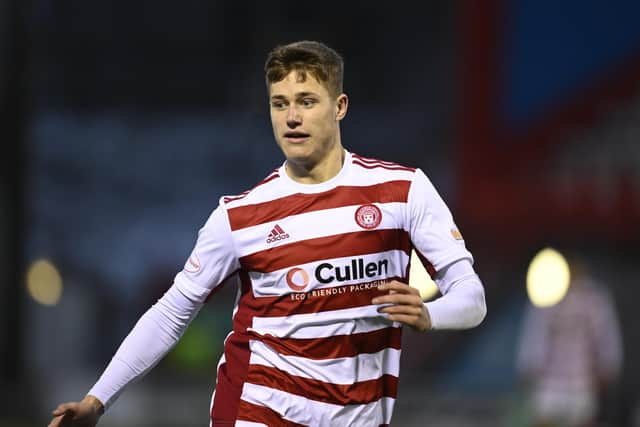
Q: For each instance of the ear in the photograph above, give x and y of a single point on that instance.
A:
(342, 105)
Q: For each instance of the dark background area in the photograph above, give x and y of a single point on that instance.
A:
(123, 123)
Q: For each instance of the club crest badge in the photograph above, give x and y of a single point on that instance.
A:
(193, 264)
(368, 216)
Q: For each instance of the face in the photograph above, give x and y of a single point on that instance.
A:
(305, 119)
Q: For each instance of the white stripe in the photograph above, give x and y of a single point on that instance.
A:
(275, 284)
(323, 324)
(249, 424)
(326, 222)
(319, 414)
(280, 187)
(342, 370)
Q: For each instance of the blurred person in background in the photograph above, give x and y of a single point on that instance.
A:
(570, 354)
(321, 250)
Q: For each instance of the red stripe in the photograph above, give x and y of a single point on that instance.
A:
(342, 245)
(339, 394)
(273, 210)
(383, 166)
(238, 197)
(230, 380)
(233, 372)
(244, 316)
(337, 346)
(262, 414)
(372, 160)
(314, 348)
(315, 301)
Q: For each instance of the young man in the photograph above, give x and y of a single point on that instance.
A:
(321, 249)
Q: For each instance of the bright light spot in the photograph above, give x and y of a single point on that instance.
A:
(420, 279)
(547, 278)
(44, 283)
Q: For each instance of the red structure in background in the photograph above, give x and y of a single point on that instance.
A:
(502, 189)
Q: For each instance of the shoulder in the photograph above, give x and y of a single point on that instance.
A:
(376, 170)
(389, 179)
(370, 163)
(262, 191)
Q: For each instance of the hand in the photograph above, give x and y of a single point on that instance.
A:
(406, 305)
(78, 414)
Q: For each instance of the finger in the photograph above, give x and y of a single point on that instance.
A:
(402, 309)
(63, 407)
(405, 319)
(398, 298)
(56, 422)
(419, 322)
(395, 286)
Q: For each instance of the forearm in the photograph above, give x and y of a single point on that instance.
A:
(155, 333)
(463, 304)
(463, 307)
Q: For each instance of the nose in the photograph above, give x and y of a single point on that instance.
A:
(293, 117)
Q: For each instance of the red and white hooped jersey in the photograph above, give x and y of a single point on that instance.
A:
(307, 347)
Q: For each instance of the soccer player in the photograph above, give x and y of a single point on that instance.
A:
(570, 354)
(321, 251)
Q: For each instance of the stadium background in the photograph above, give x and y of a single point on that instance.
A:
(123, 122)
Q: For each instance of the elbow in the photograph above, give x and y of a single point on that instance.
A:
(482, 312)
(480, 308)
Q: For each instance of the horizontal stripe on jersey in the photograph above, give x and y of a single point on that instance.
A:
(323, 324)
(279, 188)
(339, 394)
(273, 210)
(337, 346)
(326, 223)
(367, 366)
(312, 350)
(314, 413)
(262, 416)
(315, 301)
(342, 245)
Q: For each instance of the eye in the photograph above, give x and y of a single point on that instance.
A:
(278, 105)
(308, 102)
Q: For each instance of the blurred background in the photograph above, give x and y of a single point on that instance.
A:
(123, 122)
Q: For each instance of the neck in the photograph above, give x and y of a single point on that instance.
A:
(317, 172)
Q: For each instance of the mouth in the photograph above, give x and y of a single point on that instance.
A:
(296, 136)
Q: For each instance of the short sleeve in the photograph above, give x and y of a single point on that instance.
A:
(213, 258)
(433, 231)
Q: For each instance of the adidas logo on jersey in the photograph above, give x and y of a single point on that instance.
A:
(277, 233)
